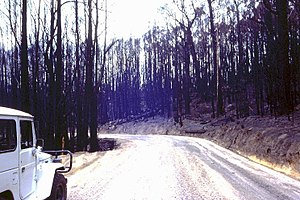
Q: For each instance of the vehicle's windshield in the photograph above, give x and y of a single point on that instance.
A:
(8, 135)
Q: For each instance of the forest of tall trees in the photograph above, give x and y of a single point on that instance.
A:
(64, 70)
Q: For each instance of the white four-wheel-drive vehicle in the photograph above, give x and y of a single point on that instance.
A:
(26, 172)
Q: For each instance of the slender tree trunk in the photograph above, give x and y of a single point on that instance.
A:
(51, 111)
(241, 71)
(217, 73)
(59, 122)
(35, 70)
(220, 106)
(186, 80)
(91, 98)
(94, 99)
(283, 56)
(24, 61)
(196, 62)
(81, 134)
(256, 74)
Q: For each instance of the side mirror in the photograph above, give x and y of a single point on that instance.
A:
(40, 143)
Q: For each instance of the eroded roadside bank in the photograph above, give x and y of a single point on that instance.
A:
(272, 142)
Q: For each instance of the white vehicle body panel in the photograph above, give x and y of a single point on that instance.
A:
(27, 165)
(9, 178)
(26, 173)
(46, 174)
(9, 174)
(14, 113)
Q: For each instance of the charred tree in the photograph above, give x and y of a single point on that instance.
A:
(286, 106)
(24, 61)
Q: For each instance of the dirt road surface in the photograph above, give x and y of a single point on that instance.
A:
(169, 167)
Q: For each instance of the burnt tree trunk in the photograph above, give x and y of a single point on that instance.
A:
(24, 61)
(286, 106)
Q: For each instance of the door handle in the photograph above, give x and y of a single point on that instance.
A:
(23, 169)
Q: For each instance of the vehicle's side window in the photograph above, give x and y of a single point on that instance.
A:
(26, 134)
(8, 135)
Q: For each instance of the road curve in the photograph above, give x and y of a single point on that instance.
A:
(172, 167)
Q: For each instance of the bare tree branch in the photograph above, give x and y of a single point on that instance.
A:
(268, 6)
(11, 25)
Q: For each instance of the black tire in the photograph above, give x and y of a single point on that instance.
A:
(59, 188)
(6, 196)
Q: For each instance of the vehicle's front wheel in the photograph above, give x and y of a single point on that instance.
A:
(59, 188)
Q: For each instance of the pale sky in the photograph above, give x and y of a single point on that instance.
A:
(133, 17)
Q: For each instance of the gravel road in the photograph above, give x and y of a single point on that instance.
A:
(170, 167)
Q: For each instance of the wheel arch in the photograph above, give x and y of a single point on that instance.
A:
(59, 187)
(7, 195)
(46, 173)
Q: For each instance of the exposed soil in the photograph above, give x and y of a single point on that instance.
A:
(173, 167)
(274, 142)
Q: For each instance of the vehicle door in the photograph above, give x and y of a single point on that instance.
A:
(27, 159)
(8, 156)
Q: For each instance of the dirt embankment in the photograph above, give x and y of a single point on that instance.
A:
(269, 141)
(274, 142)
